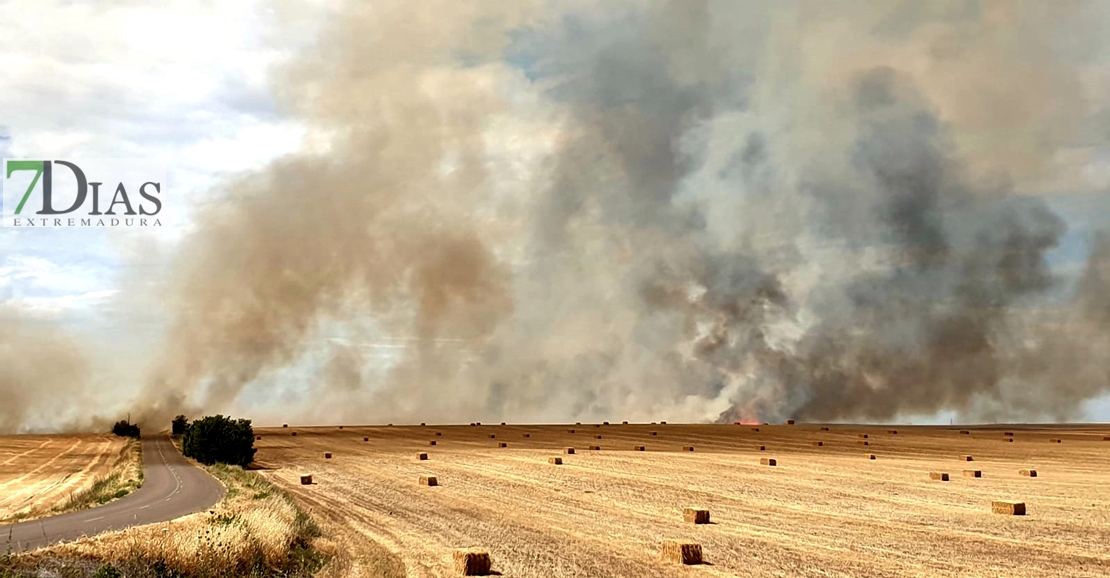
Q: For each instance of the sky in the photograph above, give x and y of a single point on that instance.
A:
(191, 84)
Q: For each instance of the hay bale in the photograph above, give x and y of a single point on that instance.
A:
(423, 424)
(1008, 508)
(431, 442)
(605, 422)
(864, 443)
(1008, 433)
(327, 456)
(687, 448)
(527, 435)
(966, 459)
(492, 436)
(285, 425)
(597, 437)
(1028, 473)
(624, 423)
(688, 553)
(695, 515)
(502, 423)
(762, 448)
(824, 428)
(595, 447)
(654, 433)
(640, 448)
(477, 423)
(340, 427)
(892, 432)
(422, 456)
(570, 431)
(768, 462)
(789, 422)
(472, 424)
(428, 481)
(388, 425)
(365, 439)
(973, 473)
(818, 444)
(942, 476)
(439, 433)
(870, 456)
(597, 425)
(577, 423)
(256, 438)
(306, 480)
(1011, 440)
(965, 432)
(569, 451)
(472, 562)
(1055, 441)
(863, 436)
(502, 445)
(1106, 438)
(755, 429)
(294, 434)
(555, 461)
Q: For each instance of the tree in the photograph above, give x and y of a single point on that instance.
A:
(179, 424)
(220, 439)
(124, 428)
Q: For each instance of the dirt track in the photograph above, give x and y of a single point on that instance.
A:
(823, 511)
(37, 472)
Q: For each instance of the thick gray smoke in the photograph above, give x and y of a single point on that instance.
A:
(687, 210)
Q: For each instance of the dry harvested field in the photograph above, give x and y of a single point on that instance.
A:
(822, 511)
(39, 472)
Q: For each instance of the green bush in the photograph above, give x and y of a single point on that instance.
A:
(124, 428)
(219, 439)
(179, 424)
(107, 571)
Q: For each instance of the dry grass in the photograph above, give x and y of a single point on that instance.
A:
(46, 475)
(821, 513)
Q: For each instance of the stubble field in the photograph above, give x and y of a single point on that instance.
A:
(822, 511)
(39, 472)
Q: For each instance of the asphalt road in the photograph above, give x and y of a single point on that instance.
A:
(172, 487)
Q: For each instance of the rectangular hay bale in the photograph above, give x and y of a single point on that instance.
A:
(595, 448)
(965, 432)
(768, 462)
(431, 442)
(502, 445)
(863, 436)
(870, 456)
(1055, 441)
(942, 476)
(824, 428)
(327, 456)
(422, 456)
(306, 480)
(472, 562)
(966, 458)
(755, 429)
(762, 448)
(569, 451)
(1028, 473)
(695, 515)
(640, 448)
(818, 444)
(687, 448)
(555, 461)
(688, 553)
(789, 422)
(864, 443)
(892, 431)
(1008, 508)
(428, 481)
(973, 473)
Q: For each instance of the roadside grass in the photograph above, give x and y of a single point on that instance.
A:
(256, 531)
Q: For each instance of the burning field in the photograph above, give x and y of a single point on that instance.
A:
(839, 509)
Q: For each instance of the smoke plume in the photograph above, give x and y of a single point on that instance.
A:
(687, 210)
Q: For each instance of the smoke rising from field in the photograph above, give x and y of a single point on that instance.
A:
(659, 210)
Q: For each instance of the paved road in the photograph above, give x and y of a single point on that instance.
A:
(172, 487)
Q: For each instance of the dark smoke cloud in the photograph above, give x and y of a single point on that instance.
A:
(679, 210)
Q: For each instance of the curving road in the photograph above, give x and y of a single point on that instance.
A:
(172, 487)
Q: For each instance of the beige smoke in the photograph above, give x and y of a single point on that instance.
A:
(653, 209)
